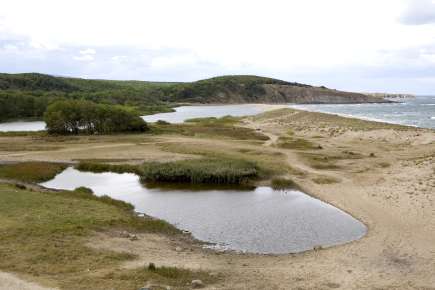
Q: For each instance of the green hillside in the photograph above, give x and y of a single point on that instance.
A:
(28, 95)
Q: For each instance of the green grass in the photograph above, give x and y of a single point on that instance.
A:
(296, 143)
(31, 171)
(44, 235)
(208, 171)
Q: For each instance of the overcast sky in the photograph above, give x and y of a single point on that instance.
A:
(361, 45)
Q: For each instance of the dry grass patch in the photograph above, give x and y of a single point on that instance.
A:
(225, 127)
(319, 161)
(296, 143)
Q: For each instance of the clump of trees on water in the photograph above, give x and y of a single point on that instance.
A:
(80, 116)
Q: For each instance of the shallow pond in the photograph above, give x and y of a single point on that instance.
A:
(188, 112)
(262, 220)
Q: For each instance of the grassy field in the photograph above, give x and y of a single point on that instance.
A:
(225, 127)
(44, 235)
(31, 171)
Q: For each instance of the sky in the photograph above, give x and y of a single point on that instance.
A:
(355, 45)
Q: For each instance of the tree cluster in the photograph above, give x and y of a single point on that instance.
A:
(80, 116)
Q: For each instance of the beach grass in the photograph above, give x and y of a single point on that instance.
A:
(287, 142)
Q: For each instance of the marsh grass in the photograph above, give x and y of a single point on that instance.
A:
(284, 183)
(44, 234)
(31, 171)
(105, 167)
(268, 163)
(207, 171)
(220, 171)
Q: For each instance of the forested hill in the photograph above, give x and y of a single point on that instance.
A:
(28, 95)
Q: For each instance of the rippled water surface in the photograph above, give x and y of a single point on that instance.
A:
(258, 221)
(419, 112)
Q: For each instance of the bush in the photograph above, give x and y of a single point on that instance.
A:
(83, 189)
(162, 122)
(75, 116)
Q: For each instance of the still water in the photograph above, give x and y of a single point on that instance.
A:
(189, 112)
(262, 220)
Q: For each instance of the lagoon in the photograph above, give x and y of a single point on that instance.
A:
(260, 220)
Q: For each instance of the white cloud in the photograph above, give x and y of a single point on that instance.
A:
(88, 51)
(84, 57)
(419, 12)
(191, 39)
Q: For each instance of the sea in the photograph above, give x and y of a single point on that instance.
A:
(417, 112)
